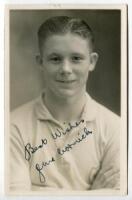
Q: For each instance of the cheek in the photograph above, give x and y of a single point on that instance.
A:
(49, 72)
(83, 72)
(83, 76)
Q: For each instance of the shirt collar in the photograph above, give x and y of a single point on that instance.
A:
(88, 114)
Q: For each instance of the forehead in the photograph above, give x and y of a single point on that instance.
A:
(66, 43)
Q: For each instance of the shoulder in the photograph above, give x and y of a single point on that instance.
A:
(107, 121)
(104, 112)
(97, 111)
(104, 118)
(23, 112)
(23, 122)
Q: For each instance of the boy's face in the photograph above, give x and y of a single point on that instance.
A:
(66, 62)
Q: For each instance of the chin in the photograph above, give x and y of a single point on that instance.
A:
(66, 94)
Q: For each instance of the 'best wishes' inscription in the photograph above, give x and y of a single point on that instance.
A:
(29, 150)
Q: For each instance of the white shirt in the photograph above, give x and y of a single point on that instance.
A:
(85, 157)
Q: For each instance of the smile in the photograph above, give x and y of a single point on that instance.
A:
(66, 81)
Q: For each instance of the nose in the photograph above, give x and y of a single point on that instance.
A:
(65, 68)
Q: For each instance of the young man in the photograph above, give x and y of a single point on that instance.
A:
(64, 139)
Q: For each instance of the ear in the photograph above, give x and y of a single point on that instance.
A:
(93, 60)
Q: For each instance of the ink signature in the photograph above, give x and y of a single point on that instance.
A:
(60, 133)
(68, 147)
(40, 168)
(29, 150)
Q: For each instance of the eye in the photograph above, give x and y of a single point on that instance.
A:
(76, 59)
(55, 59)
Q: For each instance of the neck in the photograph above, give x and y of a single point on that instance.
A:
(65, 109)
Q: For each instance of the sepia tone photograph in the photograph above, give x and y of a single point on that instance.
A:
(66, 98)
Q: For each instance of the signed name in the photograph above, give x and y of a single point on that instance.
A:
(68, 147)
(60, 133)
(30, 150)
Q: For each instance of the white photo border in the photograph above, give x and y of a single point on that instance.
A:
(124, 86)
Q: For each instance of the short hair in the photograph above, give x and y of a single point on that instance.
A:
(61, 25)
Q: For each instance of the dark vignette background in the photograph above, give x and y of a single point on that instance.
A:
(25, 78)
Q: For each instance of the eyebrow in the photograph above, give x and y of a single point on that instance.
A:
(58, 54)
(53, 54)
(78, 54)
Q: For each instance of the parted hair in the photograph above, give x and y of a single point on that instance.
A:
(61, 25)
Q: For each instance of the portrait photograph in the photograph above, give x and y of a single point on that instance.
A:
(66, 100)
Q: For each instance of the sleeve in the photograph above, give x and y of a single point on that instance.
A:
(19, 167)
(108, 175)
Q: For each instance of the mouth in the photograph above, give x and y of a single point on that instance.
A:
(66, 81)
